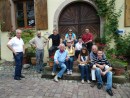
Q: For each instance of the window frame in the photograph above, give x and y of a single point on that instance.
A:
(24, 12)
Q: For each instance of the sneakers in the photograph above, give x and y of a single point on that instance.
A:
(82, 81)
(52, 73)
(56, 79)
(68, 72)
(88, 82)
(109, 91)
(99, 86)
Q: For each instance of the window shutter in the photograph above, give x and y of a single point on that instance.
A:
(41, 18)
(5, 15)
(127, 13)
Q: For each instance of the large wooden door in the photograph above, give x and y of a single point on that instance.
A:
(78, 16)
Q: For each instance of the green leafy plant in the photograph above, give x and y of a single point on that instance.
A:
(27, 35)
(123, 45)
(106, 9)
(116, 63)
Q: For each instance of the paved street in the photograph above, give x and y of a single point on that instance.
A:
(35, 87)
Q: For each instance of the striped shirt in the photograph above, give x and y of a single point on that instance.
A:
(100, 62)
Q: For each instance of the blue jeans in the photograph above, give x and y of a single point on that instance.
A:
(108, 76)
(18, 64)
(62, 66)
(84, 70)
(39, 60)
(69, 63)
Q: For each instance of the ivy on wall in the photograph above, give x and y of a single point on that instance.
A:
(106, 9)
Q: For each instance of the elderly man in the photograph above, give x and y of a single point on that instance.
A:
(103, 70)
(93, 55)
(60, 57)
(16, 45)
(39, 43)
(87, 38)
(56, 40)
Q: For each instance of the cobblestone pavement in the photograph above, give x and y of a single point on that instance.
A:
(33, 86)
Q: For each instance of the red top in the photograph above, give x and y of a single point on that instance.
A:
(87, 36)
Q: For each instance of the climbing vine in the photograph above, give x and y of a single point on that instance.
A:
(106, 9)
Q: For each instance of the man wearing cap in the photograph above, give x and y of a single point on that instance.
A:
(38, 43)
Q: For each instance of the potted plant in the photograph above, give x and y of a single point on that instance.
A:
(51, 61)
(97, 41)
(118, 66)
(100, 41)
(30, 54)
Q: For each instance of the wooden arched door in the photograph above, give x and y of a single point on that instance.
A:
(78, 16)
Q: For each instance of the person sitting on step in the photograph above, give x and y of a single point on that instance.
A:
(78, 47)
(71, 53)
(61, 55)
(70, 35)
(83, 60)
(103, 69)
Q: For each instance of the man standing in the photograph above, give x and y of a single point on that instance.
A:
(39, 43)
(103, 70)
(88, 39)
(56, 40)
(60, 57)
(16, 45)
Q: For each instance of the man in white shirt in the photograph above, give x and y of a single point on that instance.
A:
(78, 47)
(16, 45)
(39, 43)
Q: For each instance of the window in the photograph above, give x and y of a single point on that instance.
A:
(25, 13)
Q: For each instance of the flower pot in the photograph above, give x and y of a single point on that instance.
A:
(51, 63)
(118, 71)
(24, 60)
(33, 60)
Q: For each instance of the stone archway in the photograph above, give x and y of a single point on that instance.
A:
(65, 6)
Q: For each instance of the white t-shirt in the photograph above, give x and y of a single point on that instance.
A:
(78, 46)
(16, 44)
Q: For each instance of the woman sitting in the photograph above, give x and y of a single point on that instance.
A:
(71, 53)
(83, 60)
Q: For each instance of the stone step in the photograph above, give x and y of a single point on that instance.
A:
(48, 68)
(76, 76)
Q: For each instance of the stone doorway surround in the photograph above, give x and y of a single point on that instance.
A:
(67, 2)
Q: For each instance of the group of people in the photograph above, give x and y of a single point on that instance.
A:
(93, 64)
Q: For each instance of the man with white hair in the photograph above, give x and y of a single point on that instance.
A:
(16, 45)
(38, 43)
(93, 55)
(61, 55)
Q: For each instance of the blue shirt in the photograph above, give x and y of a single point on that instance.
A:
(67, 35)
(60, 56)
